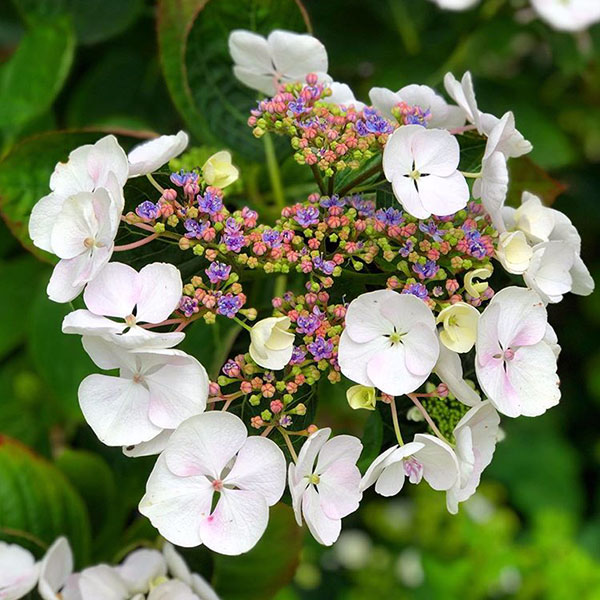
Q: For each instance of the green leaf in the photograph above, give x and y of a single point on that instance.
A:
(92, 478)
(526, 176)
(94, 20)
(16, 299)
(270, 565)
(193, 38)
(36, 500)
(59, 359)
(371, 438)
(26, 90)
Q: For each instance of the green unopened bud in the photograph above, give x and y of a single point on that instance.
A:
(198, 249)
(266, 415)
(254, 400)
(361, 396)
(159, 227)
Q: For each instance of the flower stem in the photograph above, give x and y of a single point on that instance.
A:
(471, 175)
(288, 442)
(244, 325)
(462, 129)
(366, 175)
(137, 244)
(395, 422)
(155, 183)
(426, 416)
(274, 174)
(167, 322)
(318, 179)
(267, 431)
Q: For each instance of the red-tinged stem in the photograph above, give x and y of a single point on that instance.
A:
(137, 244)
(288, 443)
(426, 416)
(140, 225)
(167, 322)
(267, 431)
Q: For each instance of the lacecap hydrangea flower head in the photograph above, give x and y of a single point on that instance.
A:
(425, 240)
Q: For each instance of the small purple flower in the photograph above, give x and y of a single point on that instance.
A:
(431, 229)
(307, 216)
(418, 290)
(365, 208)
(232, 237)
(285, 421)
(148, 210)
(188, 306)
(415, 115)
(426, 271)
(327, 266)
(389, 216)
(298, 356)
(248, 213)
(298, 107)
(373, 122)
(183, 178)
(307, 324)
(194, 229)
(210, 203)
(407, 248)
(438, 291)
(231, 368)
(335, 200)
(228, 305)
(321, 348)
(272, 238)
(218, 271)
(476, 247)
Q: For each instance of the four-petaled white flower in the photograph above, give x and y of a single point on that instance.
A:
(156, 390)
(475, 434)
(324, 483)
(283, 57)
(342, 94)
(515, 363)
(212, 454)
(422, 166)
(149, 156)
(449, 369)
(389, 342)
(119, 291)
(271, 344)
(426, 457)
(18, 571)
(459, 326)
(568, 15)
(441, 114)
(509, 141)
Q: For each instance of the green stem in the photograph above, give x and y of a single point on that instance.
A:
(318, 179)
(288, 443)
(155, 183)
(471, 175)
(274, 174)
(244, 325)
(395, 422)
(366, 175)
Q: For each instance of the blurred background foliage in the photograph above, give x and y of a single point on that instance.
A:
(71, 70)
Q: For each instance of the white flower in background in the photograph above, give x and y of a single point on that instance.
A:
(473, 284)
(149, 156)
(119, 291)
(212, 454)
(342, 94)
(456, 4)
(155, 390)
(271, 344)
(508, 140)
(325, 492)
(568, 15)
(219, 171)
(88, 168)
(56, 573)
(283, 57)
(422, 166)
(513, 252)
(18, 571)
(459, 326)
(449, 369)
(389, 342)
(475, 434)
(426, 457)
(540, 224)
(441, 114)
(361, 396)
(515, 361)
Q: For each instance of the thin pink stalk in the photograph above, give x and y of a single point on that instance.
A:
(140, 225)
(462, 129)
(426, 416)
(137, 244)
(167, 322)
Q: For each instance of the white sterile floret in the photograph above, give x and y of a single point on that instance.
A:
(149, 156)
(568, 15)
(18, 571)
(389, 342)
(120, 292)
(283, 57)
(324, 483)
(513, 252)
(422, 165)
(57, 580)
(515, 362)
(476, 435)
(156, 390)
(449, 369)
(426, 457)
(212, 454)
(271, 344)
(473, 284)
(342, 94)
(219, 171)
(459, 326)
(439, 113)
